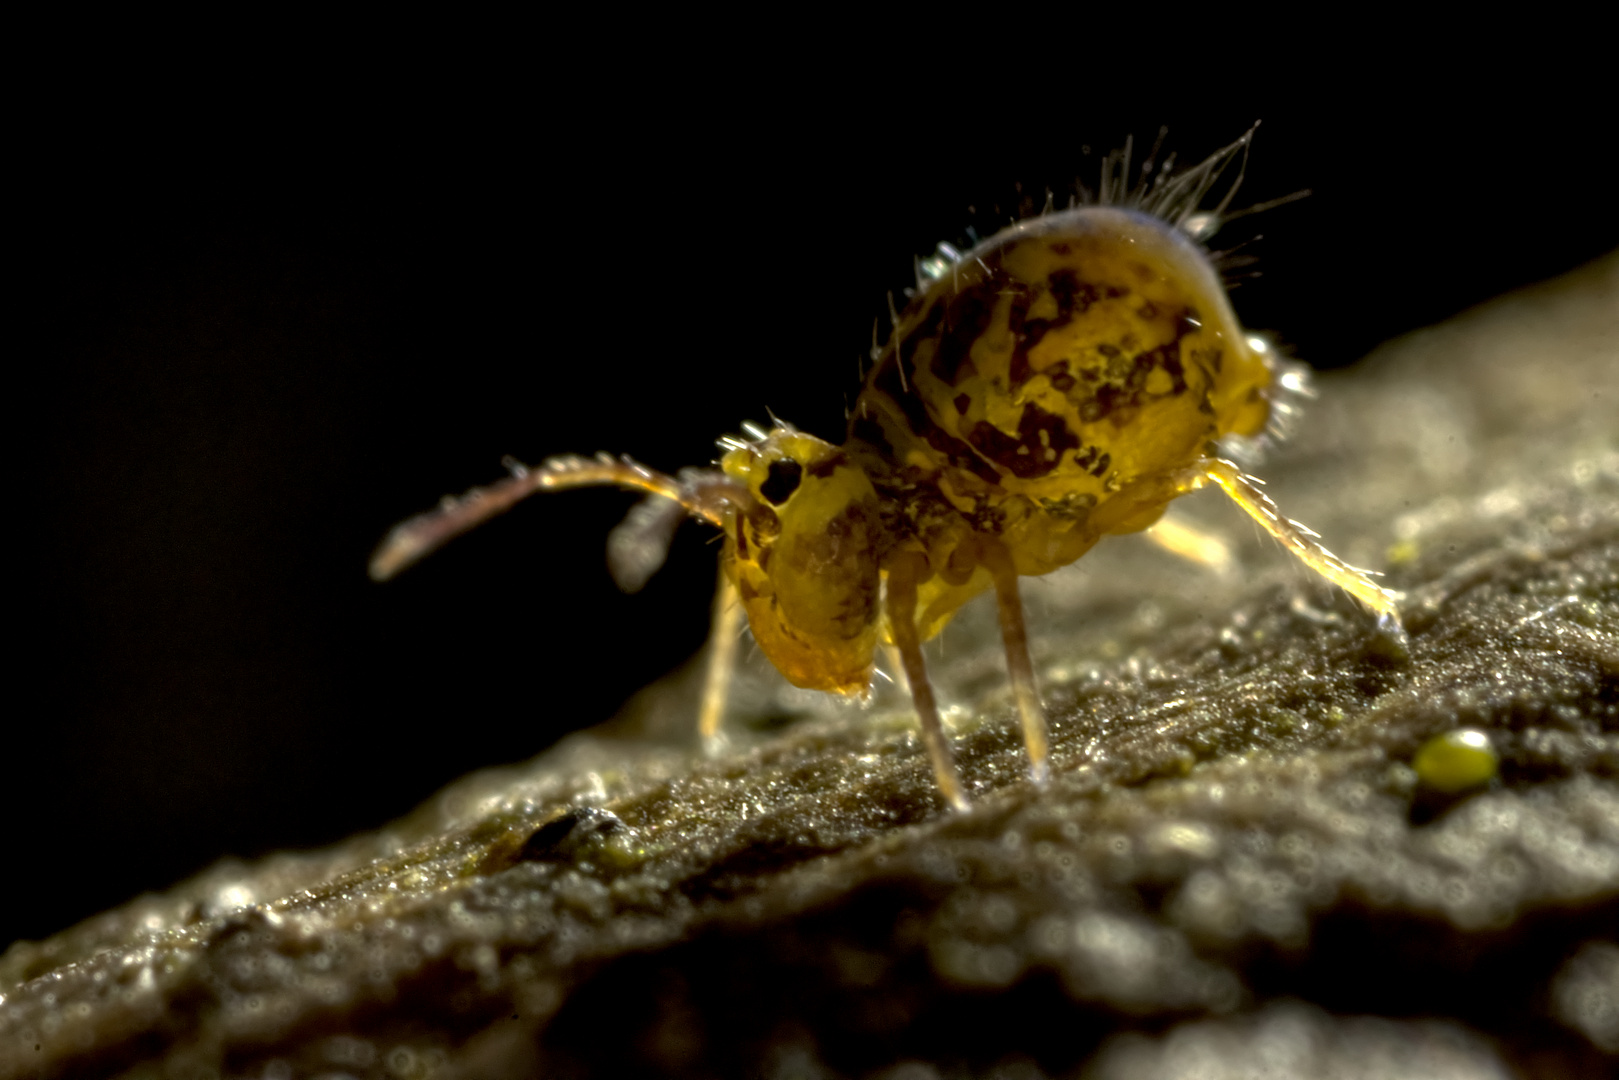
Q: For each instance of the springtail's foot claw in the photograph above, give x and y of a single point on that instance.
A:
(1391, 640)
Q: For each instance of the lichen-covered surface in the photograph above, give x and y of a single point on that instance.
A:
(1236, 872)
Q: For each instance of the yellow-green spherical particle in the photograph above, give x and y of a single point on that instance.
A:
(1456, 760)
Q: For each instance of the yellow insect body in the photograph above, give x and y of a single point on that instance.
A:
(1048, 388)
(1062, 381)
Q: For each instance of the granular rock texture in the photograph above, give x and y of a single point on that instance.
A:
(1235, 872)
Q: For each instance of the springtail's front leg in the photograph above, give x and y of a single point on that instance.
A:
(722, 638)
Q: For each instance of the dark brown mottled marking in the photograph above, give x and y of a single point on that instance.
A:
(1017, 323)
(856, 525)
(1108, 399)
(960, 455)
(825, 468)
(962, 402)
(1061, 381)
(886, 380)
(988, 517)
(1074, 298)
(1060, 247)
(1038, 457)
(1167, 357)
(928, 327)
(864, 429)
(1127, 388)
(970, 313)
(1093, 460)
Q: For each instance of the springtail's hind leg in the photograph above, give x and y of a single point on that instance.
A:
(1298, 539)
(1018, 667)
(901, 609)
(722, 639)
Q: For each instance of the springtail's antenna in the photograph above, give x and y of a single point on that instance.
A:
(703, 493)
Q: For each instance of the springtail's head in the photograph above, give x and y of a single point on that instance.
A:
(805, 556)
(801, 540)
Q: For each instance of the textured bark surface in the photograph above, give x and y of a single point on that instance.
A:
(1235, 868)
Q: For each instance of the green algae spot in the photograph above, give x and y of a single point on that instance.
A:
(1456, 760)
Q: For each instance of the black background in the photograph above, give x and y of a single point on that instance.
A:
(267, 315)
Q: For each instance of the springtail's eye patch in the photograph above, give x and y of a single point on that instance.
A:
(781, 481)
